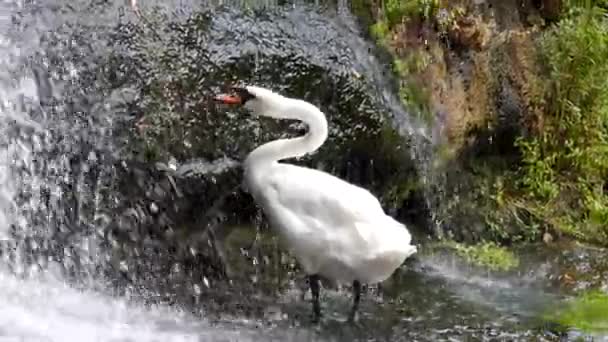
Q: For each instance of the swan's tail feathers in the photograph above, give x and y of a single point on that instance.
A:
(401, 239)
(396, 240)
(409, 251)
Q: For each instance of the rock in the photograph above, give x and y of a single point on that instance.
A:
(166, 171)
(576, 268)
(276, 50)
(551, 9)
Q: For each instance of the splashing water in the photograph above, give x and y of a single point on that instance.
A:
(46, 309)
(39, 306)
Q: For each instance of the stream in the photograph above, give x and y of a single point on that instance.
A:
(82, 253)
(434, 298)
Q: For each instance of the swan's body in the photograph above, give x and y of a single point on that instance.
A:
(335, 229)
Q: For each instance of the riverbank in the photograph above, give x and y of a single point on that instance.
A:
(516, 97)
(516, 100)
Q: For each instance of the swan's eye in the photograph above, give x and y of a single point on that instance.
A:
(243, 94)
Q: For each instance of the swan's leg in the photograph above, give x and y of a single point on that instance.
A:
(314, 289)
(356, 299)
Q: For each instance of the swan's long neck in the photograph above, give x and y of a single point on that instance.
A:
(277, 150)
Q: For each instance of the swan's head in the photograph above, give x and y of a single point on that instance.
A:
(260, 101)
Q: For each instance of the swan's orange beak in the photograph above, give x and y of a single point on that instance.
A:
(228, 99)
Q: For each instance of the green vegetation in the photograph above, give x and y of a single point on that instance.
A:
(413, 92)
(560, 182)
(406, 11)
(488, 255)
(586, 312)
(564, 171)
(396, 11)
(380, 31)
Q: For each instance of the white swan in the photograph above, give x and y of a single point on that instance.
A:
(335, 229)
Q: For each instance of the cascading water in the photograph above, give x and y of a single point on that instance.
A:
(50, 185)
(20, 139)
(53, 155)
(55, 167)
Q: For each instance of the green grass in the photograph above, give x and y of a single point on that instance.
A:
(588, 312)
(397, 11)
(564, 171)
(562, 178)
(487, 255)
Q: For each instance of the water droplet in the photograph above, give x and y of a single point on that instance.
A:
(172, 164)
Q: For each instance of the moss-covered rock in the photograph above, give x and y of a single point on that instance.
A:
(586, 313)
(581, 273)
(177, 68)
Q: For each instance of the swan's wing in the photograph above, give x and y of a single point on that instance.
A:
(319, 194)
(327, 219)
(342, 213)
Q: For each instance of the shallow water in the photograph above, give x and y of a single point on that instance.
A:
(43, 309)
(420, 303)
(433, 297)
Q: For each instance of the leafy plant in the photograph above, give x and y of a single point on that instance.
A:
(380, 31)
(396, 11)
(586, 312)
(565, 166)
(447, 20)
(487, 254)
